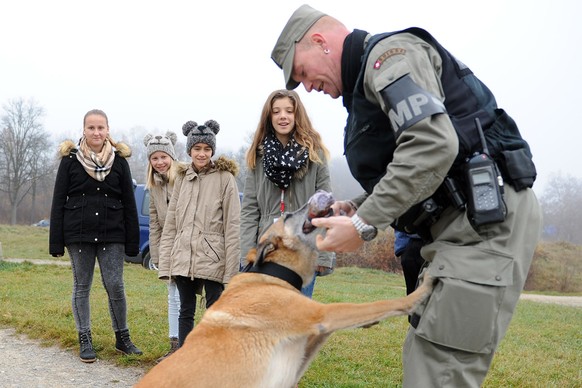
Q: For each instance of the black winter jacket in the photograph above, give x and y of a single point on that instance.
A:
(85, 210)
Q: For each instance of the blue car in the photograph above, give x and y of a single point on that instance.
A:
(142, 201)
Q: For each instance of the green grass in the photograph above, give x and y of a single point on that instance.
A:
(543, 347)
(25, 242)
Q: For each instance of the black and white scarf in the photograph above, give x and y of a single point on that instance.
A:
(281, 162)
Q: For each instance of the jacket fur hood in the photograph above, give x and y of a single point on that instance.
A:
(67, 146)
(225, 164)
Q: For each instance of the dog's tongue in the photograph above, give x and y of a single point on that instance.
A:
(319, 205)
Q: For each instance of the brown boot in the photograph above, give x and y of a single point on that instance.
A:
(173, 347)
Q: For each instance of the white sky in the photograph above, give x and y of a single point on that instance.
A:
(158, 64)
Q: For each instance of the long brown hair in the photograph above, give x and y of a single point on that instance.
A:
(304, 133)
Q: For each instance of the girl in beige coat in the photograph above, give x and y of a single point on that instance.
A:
(200, 240)
(161, 174)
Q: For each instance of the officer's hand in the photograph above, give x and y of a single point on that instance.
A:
(341, 236)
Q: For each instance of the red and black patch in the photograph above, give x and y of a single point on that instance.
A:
(386, 55)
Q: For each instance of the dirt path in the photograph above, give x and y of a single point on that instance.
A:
(574, 301)
(26, 363)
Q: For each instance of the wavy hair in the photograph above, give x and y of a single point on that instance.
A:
(304, 133)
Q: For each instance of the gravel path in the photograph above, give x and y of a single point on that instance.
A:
(25, 363)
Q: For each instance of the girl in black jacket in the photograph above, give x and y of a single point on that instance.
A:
(94, 216)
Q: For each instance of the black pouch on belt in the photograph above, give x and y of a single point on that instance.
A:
(517, 168)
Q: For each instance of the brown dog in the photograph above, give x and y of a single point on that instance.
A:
(262, 332)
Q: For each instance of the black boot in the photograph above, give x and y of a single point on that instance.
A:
(123, 343)
(86, 352)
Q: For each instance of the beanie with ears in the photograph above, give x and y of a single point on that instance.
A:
(201, 134)
(164, 143)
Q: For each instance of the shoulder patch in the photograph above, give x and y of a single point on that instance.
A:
(390, 53)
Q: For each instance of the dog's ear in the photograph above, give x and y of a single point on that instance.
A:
(263, 249)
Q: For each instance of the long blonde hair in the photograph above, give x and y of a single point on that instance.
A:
(303, 132)
(171, 174)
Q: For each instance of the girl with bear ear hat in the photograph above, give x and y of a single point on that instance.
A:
(199, 246)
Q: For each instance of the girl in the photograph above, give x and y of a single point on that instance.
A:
(161, 174)
(200, 241)
(94, 215)
(287, 164)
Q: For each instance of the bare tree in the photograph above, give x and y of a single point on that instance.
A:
(25, 152)
(562, 208)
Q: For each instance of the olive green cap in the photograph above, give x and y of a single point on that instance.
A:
(299, 23)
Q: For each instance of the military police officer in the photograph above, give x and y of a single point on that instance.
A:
(415, 115)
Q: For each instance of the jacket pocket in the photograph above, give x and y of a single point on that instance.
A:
(463, 309)
(213, 246)
(73, 215)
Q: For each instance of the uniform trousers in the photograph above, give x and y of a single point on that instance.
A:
(480, 274)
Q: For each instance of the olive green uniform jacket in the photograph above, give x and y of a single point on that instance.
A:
(480, 271)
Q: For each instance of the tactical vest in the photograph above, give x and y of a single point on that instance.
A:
(370, 140)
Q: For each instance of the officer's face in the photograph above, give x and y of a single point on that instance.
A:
(318, 71)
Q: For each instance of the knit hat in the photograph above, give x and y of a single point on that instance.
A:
(201, 134)
(164, 143)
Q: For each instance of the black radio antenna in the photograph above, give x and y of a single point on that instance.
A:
(481, 136)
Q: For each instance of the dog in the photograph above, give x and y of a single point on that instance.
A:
(262, 332)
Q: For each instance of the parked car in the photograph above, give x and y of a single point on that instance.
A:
(42, 223)
(142, 201)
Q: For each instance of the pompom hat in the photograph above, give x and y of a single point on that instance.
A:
(201, 134)
(164, 143)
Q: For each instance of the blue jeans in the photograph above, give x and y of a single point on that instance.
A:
(308, 289)
(110, 257)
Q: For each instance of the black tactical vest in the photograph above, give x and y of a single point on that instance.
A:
(369, 139)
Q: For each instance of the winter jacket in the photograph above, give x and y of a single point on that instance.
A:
(160, 194)
(201, 233)
(262, 201)
(85, 210)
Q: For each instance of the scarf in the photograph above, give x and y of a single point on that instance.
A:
(353, 52)
(96, 165)
(281, 162)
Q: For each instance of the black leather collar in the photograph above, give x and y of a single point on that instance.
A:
(278, 271)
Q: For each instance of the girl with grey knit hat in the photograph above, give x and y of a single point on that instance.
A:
(161, 175)
(199, 247)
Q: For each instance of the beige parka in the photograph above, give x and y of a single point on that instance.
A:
(160, 194)
(201, 238)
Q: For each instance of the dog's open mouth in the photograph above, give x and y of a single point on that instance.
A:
(319, 205)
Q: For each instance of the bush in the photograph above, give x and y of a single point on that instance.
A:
(377, 254)
(556, 266)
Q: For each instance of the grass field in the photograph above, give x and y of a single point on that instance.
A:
(543, 347)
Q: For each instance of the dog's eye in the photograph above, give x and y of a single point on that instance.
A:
(286, 216)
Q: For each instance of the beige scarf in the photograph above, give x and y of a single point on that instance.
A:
(96, 165)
